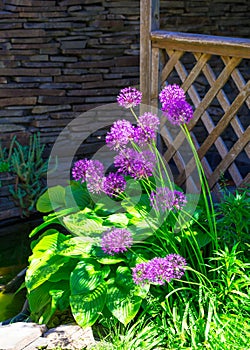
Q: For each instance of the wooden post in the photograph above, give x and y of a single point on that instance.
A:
(149, 20)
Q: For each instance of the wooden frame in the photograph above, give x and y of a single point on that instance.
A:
(156, 45)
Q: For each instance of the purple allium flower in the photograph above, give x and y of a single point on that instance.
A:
(79, 169)
(179, 113)
(95, 176)
(120, 134)
(136, 164)
(116, 240)
(171, 94)
(146, 130)
(165, 199)
(159, 270)
(129, 97)
(114, 184)
(174, 105)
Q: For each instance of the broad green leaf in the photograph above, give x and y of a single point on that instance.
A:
(49, 242)
(105, 206)
(52, 199)
(122, 303)
(63, 273)
(45, 260)
(77, 193)
(81, 224)
(86, 308)
(40, 270)
(85, 278)
(117, 220)
(40, 296)
(76, 247)
(124, 280)
(60, 296)
(110, 260)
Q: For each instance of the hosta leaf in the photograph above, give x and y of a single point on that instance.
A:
(117, 220)
(52, 199)
(40, 296)
(104, 206)
(124, 280)
(48, 243)
(40, 270)
(63, 273)
(86, 308)
(77, 193)
(75, 247)
(103, 258)
(80, 224)
(44, 300)
(110, 260)
(85, 278)
(45, 260)
(60, 296)
(122, 303)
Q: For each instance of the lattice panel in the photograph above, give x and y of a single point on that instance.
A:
(219, 92)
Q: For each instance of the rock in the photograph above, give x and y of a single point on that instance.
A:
(17, 336)
(70, 337)
(30, 336)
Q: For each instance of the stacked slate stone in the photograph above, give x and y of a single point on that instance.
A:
(61, 58)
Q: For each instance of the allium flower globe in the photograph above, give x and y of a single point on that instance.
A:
(91, 171)
(160, 270)
(179, 113)
(136, 164)
(79, 169)
(94, 176)
(171, 94)
(163, 199)
(116, 240)
(174, 105)
(120, 134)
(146, 129)
(114, 184)
(129, 97)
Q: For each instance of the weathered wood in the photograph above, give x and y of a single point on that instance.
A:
(155, 78)
(149, 15)
(195, 71)
(230, 157)
(173, 59)
(215, 45)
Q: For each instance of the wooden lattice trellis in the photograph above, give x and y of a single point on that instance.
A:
(162, 59)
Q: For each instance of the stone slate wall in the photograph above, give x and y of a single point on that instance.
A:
(61, 58)
(213, 17)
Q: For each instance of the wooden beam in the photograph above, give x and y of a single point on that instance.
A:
(215, 45)
(149, 20)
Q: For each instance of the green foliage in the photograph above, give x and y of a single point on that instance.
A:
(26, 163)
(234, 218)
(207, 309)
(72, 272)
(66, 271)
(29, 166)
(140, 335)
